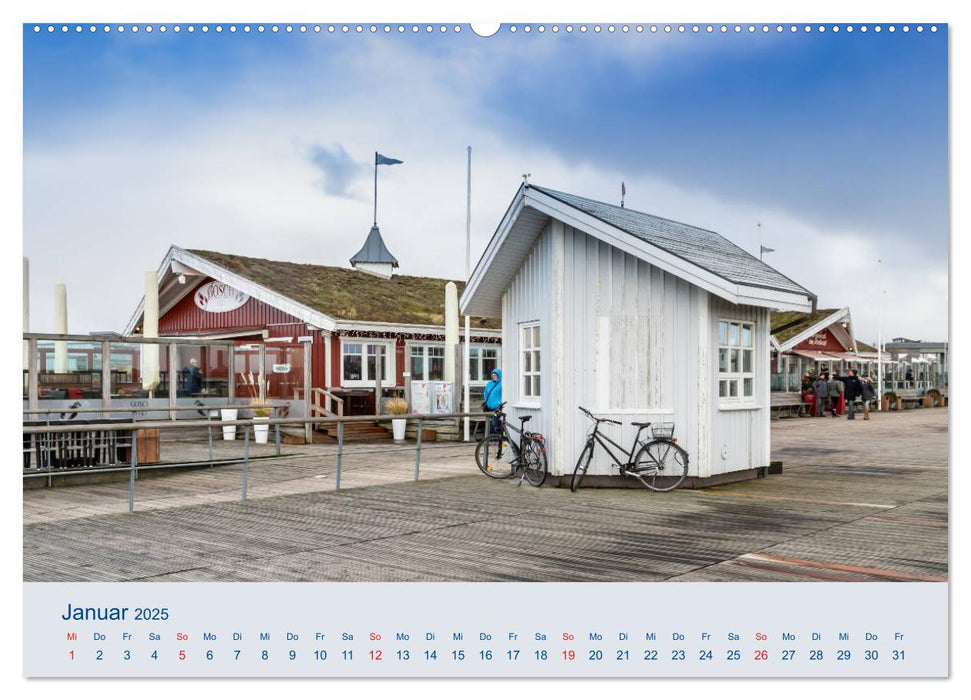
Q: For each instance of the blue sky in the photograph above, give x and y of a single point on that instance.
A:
(261, 144)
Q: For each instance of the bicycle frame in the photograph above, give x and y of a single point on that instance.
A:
(600, 438)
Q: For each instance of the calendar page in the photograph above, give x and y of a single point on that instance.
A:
(683, 287)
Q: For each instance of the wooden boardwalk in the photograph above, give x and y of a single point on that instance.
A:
(858, 501)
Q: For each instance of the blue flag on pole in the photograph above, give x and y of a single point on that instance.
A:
(384, 160)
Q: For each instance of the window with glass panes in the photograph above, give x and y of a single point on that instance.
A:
(360, 362)
(736, 360)
(529, 352)
(427, 362)
(482, 361)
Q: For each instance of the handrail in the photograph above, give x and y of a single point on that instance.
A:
(138, 409)
(331, 420)
(316, 409)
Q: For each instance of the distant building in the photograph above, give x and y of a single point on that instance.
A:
(336, 319)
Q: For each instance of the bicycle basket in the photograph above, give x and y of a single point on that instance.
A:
(663, 430)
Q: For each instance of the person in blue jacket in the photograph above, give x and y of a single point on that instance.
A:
(492, 397)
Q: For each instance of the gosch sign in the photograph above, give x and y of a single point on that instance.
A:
(216, 297)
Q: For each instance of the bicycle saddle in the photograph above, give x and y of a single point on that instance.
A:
(640, 425)
(525, 419)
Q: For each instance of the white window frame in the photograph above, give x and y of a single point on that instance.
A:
(366, 380)
(728, 379)
(535, 352)
(477, 362)
(410, 347)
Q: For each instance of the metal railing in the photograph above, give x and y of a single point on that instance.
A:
(48, 433)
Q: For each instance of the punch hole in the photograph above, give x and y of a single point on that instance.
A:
(934, 29)
(906, 29)
(526, 29)
(513, 29)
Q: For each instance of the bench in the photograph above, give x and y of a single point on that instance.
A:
(786, 403)
(909, 398)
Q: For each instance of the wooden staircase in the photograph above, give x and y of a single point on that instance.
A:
(324, 404)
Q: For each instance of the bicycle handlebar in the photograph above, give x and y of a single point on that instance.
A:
(599, 420)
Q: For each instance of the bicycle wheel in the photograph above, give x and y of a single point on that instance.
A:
(582, 465)
(534, 462)
(662, 465)
(498, 467)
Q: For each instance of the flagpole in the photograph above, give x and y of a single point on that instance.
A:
(758, 225)
(375, 188)
(468, 272)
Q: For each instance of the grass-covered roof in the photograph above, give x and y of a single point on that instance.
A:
(789, 324)
(349, 294)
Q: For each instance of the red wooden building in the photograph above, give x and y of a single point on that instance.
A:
(337, 320)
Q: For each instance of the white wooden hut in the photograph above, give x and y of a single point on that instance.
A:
(634, 317)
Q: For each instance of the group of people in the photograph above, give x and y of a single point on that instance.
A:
(828, 389)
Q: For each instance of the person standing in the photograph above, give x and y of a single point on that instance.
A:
(821, 392)
(852, 390)
(835, 392)
(491, 399)
(869, 394)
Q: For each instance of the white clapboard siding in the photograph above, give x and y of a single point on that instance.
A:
(626, 354)
(739, 438)
(529, 298)
(631, 342)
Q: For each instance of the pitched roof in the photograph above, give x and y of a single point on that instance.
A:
(706, 249)
(374, 250)
(348, 294)
(788, 324)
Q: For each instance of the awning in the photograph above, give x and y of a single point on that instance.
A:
(821, 356)
(813, 354)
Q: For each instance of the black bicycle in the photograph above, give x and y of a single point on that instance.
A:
(501, 456)
(660, 464)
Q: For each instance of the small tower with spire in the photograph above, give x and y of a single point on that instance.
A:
(374, 258)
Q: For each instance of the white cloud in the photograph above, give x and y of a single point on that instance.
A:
(102, 208)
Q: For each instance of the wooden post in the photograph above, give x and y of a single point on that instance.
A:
(307, 359)
(378, 359)
(231, 379)
(174, 379)
(105, 376)
(32, 398)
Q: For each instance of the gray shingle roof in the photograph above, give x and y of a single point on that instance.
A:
(374, 250)
(701, 247)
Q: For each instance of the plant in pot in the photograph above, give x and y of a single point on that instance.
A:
(397, 407)
(261, 412)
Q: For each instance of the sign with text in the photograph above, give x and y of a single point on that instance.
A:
(216, 297)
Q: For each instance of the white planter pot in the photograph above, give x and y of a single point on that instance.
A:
(229, 431)
(398, 428)
(261, 431)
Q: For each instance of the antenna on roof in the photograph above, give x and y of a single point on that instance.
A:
(623, 193)
(526, 177)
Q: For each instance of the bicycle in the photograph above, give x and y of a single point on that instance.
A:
(528, 454)
(661, 458)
